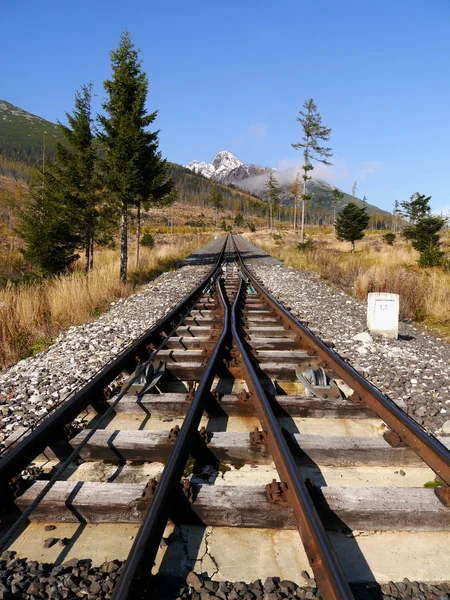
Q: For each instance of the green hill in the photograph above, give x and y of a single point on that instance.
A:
(22, 135)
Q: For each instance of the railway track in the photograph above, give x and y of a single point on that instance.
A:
(183, 427)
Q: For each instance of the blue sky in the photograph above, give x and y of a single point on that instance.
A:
(233, 75)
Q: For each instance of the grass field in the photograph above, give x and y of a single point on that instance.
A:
(32, 315)
(375, 267)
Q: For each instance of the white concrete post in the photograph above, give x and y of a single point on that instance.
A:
(382, 314)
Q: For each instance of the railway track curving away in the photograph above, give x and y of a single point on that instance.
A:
(229, 416)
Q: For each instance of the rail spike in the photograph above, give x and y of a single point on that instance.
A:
(204, 436)
(258, 437)
(394, 439)
(147, 495)
(173, 433)
(277, 492)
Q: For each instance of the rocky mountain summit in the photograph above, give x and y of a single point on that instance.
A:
(226, 168)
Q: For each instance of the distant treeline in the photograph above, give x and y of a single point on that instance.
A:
(15, 169)
(195, 189)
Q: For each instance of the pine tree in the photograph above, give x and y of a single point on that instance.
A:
(46, 228)
(337, 196)
(73, 173)
(313, 134)
(424, 229)
(132, 169)
(351, 223)
(417, 207)
(396, 213)
(239, 220)
(295, 191)
(216, 200)
(272, 191)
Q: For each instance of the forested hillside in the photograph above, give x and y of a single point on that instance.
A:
(195, 189)
(23, 136)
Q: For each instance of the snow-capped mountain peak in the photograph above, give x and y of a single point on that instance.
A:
(225, 167)
(225, 162)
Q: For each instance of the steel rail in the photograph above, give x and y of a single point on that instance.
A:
(34, 443)
(328, 572)
(137, 572)
(429, 448)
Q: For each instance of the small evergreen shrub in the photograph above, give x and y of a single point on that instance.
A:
(278, 238)
(430, 256)
(147, 240)
(239, 220)
(389, 238)
(306, 246)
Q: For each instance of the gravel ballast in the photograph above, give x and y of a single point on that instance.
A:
(414, 368)
(28, 580)
(272, 588)
(30, 389)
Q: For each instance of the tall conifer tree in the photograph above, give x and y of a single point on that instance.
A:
(337, 196)
(272, 192)
(313, 134)
(133, 169)
(73, 174)
(295, 191)
(46, 227)
(351, 223)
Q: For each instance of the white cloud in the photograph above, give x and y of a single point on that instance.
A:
(338, 174)
(368, 168)
(254, 133)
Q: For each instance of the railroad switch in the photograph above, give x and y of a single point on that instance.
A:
(277, 492)
(394, 439)
(317, 383)
(259, 437)
(173, 433)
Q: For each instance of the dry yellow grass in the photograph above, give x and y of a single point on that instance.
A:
(375, 267)
(32, 315)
